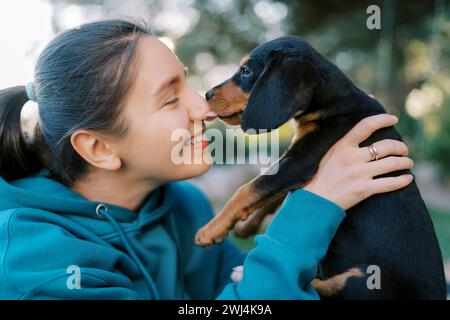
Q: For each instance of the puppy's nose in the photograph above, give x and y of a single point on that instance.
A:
(209, 95)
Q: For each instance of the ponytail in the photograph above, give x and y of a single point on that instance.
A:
(17, 159)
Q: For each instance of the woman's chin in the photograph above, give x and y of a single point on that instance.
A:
(193, 170)
(197, 165)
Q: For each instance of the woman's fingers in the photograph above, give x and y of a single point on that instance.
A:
(384, 148)
(345, 174)
(364, 129)
(388, 184)
(389, 164)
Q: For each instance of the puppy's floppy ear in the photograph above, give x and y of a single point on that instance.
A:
(285, 87)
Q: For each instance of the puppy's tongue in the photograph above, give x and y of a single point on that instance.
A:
(211, 115)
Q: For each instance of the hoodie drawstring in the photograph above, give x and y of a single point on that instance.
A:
(128, 246)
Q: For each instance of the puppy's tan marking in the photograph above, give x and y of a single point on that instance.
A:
(244, 60)
(305, 124)
(333, 285)
(229, 101)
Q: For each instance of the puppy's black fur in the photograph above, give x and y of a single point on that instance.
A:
(287, 78)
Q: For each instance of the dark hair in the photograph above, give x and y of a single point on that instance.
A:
(81, 81)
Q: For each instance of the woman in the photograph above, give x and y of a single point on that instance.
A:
(90, 209)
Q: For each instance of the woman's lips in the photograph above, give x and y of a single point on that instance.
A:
(205, 144)
(198, 140)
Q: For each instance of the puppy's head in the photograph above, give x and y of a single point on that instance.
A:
(274, 82)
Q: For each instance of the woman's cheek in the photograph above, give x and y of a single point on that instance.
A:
(185, 162)
(160, 147)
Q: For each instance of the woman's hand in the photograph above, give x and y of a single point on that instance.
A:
(346, 172)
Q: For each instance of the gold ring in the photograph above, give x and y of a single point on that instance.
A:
(373, 153)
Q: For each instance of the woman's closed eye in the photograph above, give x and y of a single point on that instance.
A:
(171, 101)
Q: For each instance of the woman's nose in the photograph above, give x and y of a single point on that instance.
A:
(201, 110)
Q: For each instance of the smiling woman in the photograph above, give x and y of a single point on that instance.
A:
(97, 191)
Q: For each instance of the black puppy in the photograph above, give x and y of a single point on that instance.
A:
(286, 78)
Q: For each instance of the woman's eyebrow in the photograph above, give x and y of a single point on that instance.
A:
(170, 82)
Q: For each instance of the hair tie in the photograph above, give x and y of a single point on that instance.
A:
(30, 91)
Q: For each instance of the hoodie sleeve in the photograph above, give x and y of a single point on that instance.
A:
(48, 268)
(286, 256)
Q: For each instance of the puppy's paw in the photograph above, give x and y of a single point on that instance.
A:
(237, 274)
(210, 234)
(217, 229)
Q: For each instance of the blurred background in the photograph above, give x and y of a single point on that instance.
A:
(405, 64)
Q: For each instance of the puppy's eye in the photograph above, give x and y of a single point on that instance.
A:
(246, 71)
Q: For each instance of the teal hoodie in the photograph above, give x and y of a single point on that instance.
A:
(56, 244)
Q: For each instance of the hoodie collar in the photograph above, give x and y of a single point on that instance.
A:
(40, 192)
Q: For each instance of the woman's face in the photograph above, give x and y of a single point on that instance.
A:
(160, 103)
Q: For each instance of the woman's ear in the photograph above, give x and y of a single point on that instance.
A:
(284, 88)
(95, 150)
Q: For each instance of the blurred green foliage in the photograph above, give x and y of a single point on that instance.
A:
(441, 221)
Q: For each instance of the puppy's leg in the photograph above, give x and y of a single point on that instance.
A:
(259, 192)
(249, 227)
(294, 169)
(239, 207)
(334, 285)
